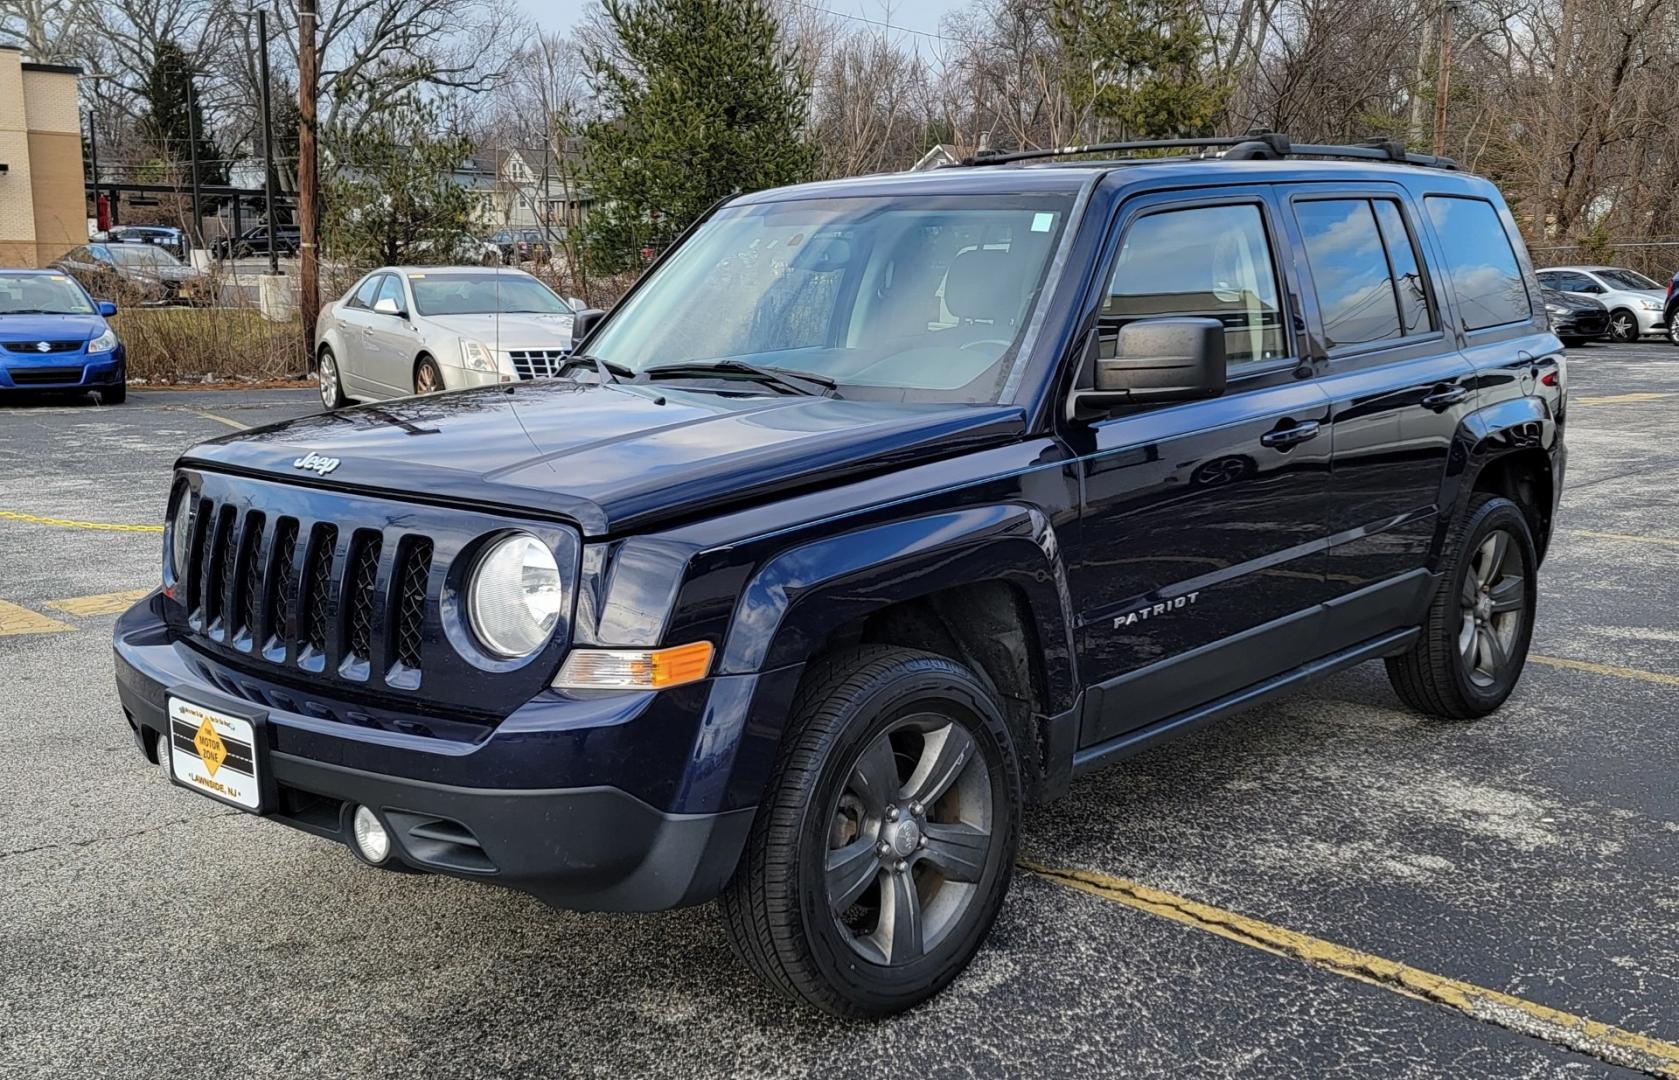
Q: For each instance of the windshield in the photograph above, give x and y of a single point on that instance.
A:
(919, 298)
(141, 255)
(483, 294)
(49, 294)
(1627, 279)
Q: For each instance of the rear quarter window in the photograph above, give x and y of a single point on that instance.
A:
(1480, 261)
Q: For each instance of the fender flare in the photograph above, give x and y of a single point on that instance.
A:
(1482, 438)
(788, 607)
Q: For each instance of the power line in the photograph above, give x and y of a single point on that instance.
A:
(886, 25)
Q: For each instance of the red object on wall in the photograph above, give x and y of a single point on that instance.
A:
(102, 211)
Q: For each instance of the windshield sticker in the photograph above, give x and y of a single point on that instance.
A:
(1041, 222)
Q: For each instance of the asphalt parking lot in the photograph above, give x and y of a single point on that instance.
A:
(1248, 894)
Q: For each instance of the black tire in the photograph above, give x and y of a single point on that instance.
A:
(1573, 342)
(243, 251)
(1437, 675)
(1672, 321)
(1623, 326)
(114, 395)
(331, 378)
(777, 909)
(427, 375)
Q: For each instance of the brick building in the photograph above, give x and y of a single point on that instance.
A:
(43, 206)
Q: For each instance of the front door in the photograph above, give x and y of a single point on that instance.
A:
(1198, 566)
(393, 341)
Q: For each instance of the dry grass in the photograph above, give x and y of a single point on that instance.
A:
(188, 344)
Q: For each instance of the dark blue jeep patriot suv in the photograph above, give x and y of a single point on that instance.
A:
(878, 509)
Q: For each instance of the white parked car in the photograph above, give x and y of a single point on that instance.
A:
(419, 329)
(1633, 300)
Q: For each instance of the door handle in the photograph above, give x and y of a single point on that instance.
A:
(1288, 436)
(1445, 396)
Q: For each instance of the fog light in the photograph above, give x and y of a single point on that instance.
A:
(373, 843)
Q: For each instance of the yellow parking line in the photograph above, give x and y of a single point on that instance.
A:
(16, 620)
(206, 414)
(1634, 398)
(1607, 669)
(1631, 538)
(1611, 1044)
(66, 523)
(112, 603)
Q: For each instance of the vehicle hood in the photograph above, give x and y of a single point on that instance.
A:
(50, 327)
(161, 273)
(519, 331)
(611, 458)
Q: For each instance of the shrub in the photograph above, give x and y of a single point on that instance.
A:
(180, 344)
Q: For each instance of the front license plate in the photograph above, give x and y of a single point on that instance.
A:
(214, 753)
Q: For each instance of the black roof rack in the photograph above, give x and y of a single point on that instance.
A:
(1257, 145)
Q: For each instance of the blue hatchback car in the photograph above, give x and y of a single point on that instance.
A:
(53, 336)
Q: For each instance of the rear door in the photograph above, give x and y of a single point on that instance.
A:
(1399, 387)
(1198, 567)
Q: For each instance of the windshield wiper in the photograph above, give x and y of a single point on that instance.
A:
(799, 382)
(606, 369)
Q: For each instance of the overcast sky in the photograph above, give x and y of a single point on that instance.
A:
(911, 15)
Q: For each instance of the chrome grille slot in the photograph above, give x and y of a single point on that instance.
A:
(537, 363)
(361, 598)
(223, 547)
(318, 607)
(412, 577)
(282, 589)
(247, 580)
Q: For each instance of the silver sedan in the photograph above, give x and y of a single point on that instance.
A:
(419, 329)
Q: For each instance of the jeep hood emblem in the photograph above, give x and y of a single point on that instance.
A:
(315, 463)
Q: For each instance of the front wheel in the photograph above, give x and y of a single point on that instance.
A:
(114, 395)
(885, 843)
(1623, 326)
(332, 384)
(1673, 327)
(427, 378)
(1474, 641)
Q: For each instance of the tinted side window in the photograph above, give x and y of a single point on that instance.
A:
(1485, 275)
(1349, 271)
(1209, 261)
(367, 291)
(1414, 314)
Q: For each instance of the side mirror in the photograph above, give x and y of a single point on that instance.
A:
(1155, 360)
(106, 308)
(584, 321)
(386, 306)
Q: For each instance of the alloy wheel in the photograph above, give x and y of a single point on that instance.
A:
(425, 380)
(908, 838)
(1624, 327)
(327, 372)
(1494, 602)
(1673, 328)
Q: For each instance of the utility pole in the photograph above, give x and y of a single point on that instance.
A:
(267, 146)
(192, 158)
(1443, 88)
(93, 161)
(308, 74)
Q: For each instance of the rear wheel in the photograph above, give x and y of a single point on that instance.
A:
(332, 384)
(886, 840)
(1474, 641)
(1623, 326)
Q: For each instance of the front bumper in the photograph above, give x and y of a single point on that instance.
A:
(467, 807)
(1581, 324)
(62, 371)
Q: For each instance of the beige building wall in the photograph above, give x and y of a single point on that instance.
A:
(43, 206)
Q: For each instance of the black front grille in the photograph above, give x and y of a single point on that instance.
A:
(45, 376)
(537, 363)
(34, 347)
(307, 598)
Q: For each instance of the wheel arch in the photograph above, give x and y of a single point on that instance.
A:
(1509, 449)
(983, 585)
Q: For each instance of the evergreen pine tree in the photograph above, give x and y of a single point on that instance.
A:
(702, 99)
(167, 116)
(1148, 57)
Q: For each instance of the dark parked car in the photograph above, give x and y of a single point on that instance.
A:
(1576, 319)
(135, 273)
(53, 336)
(875, 512)
(286, 239)
(167, 237)
(522, 245)
(1670, 309)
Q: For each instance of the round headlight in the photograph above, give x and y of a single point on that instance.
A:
(179, 532)
(515, 595)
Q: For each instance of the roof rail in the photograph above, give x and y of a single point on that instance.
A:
(1257, 145)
